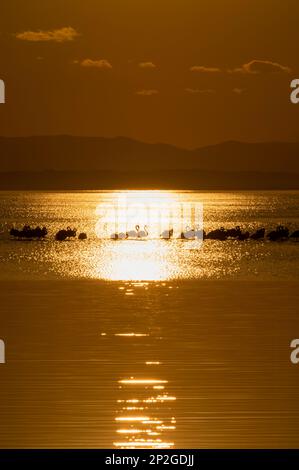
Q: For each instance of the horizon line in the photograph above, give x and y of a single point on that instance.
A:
(133, 139)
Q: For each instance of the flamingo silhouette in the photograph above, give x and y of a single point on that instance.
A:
(188, 234)
(199, 233)
(143, 233)
(119, 236)
(167, 234)
(134, 233)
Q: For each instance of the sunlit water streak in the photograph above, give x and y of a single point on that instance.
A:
(150, 259)
(154, 429)
(204, 364)
(142, 351)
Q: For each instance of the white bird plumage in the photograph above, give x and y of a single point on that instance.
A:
(134, 233)
(167, 234)
(143, 233)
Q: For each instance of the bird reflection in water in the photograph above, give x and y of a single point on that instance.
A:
(144, 416)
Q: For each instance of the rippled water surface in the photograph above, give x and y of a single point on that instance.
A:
(101, 214)
(148, 343)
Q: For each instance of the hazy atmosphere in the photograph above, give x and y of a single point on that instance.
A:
(149, 224)
(188, 73)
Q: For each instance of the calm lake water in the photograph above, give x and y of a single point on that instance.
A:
(148, 343)
(101, 214)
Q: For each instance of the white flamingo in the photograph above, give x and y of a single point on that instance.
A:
(119, 236)
(198, 232)
(188, 234)
(167, 234)
(122, 236)
(134, 233)
(143, 233)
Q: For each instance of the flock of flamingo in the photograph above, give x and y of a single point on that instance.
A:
(38, 233)
(281, 233)
(138, 234)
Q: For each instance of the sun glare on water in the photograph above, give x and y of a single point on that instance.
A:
(139, 230)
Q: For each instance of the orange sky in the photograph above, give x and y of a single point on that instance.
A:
(186, 72)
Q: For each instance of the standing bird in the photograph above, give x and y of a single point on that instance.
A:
(258, 235)
(143, 233)
(188, 234)
(119, 236)
(167, 234)
(134, 233)
(295, 234)
(199, 233)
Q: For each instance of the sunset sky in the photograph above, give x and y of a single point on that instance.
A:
(185, 72)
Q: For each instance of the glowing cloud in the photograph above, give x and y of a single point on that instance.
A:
(98, 63)
(147, 92)
(255, 67)
(57, 35)
(2, 92)
(239, 91)
(147, 65)
(194, 91)
(204, 69)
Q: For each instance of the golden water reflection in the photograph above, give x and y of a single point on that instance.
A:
(145, 416)
(147, 215)
(135, 260)
(148, 257)
(157, 219)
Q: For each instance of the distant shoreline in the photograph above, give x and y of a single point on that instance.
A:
(167, 180)
(90, 163)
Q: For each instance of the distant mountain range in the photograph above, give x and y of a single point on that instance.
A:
(66, 162)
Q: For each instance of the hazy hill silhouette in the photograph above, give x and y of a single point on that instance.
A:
(165, 179)
(94, 162)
